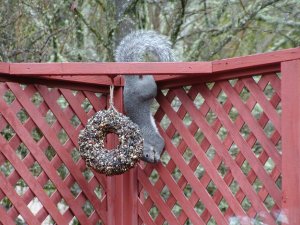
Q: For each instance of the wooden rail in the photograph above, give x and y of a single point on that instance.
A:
(167, 74)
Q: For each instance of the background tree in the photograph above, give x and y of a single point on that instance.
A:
(43, 31)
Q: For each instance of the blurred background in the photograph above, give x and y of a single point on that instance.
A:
(200, 30)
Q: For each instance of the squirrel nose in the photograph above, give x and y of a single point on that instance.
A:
(156, 160)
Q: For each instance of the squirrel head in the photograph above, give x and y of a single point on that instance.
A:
(152, 149)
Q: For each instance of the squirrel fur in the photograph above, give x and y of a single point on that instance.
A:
(140, 91)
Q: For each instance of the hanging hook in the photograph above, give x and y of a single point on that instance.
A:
(111, 97)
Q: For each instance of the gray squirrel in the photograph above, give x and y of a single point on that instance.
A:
(140, 91)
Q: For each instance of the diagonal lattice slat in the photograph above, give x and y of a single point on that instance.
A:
(51, 182)
(222, 152)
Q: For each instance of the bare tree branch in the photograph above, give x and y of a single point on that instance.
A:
(178, 21)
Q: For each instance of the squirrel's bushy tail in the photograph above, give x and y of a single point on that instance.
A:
(138, 45)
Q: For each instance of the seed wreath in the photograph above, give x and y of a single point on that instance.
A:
(114, 161)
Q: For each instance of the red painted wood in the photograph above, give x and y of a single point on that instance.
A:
(52, 138)
(122, 194)
(164, 81)
(21, 207)
(4, 68)
(42, 160)
(264, 103)
(57, 82)
(108, 68)
(256, 60)
(5, 218)
(171, 165)
(275, 82)
(92, 80)
(115, 213)
(227, 159)
(169, 216)
(153, 67)
(202, 158)
(80, 113)
(193, 199)
(32, 183)
(251, 141)
(262, 83)
(130, 196)
(242, 145)
(55, 172)
(176, 191)
(251, 122)
(290, 140)
(111, 198)
(181, 80)
(228, 142)
(144, 214)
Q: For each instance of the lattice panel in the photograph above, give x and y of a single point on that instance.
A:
(222, 163)
(43, 180)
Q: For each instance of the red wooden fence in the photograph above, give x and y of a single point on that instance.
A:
(231, 129)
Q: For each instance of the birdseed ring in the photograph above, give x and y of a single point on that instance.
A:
(114, 161)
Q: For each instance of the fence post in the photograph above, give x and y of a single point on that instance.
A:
(122, 189)
(291, 140)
